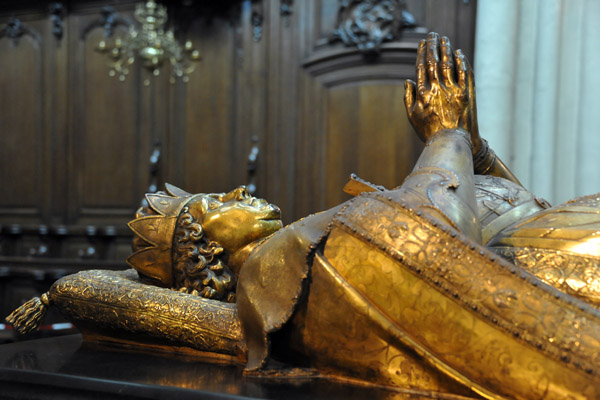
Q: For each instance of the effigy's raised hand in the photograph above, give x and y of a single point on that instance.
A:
(440, 97)
(470, 116)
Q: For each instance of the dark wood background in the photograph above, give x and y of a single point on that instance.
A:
(76, 144)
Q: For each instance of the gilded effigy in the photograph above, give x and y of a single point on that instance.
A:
(452, 285)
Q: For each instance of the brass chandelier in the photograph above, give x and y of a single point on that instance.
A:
(152, 45)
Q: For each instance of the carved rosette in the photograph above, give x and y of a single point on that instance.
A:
(366, 24)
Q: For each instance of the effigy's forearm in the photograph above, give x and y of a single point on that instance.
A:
(441, 183)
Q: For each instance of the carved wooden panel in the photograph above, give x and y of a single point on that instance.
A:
(110, 132)
(273, 85)
(205, 137)
(22, 115)
(363, 126)
(453, 18)
(367, 135)
(331, 111)
(220, 114)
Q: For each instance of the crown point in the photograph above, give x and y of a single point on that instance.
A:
(156, 229)
(165, 204)
(175, 191)
(153, 263)
(152, 257)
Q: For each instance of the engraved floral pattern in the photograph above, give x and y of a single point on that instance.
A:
(572, 273)
(116, 300)
(506, 318)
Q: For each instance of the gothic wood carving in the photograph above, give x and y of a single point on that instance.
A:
(252, 165)
(366, 24)
(287, 9)
(154, 163)
(57, 13)
(257, 21)
(110, 19)
(15, 29)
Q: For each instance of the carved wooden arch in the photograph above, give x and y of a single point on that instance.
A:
(356, 120)
(337, 66)
(15, 29)
(110, 19)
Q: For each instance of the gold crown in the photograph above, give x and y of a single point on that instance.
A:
(156, 228)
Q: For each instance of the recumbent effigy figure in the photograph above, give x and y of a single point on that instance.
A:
(451, 283)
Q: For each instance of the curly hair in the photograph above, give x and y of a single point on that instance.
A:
(197, 267)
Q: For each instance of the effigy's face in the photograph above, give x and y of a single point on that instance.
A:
(236, 219)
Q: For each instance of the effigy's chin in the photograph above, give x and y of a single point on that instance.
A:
(115, 306)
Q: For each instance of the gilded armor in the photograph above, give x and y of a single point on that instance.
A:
(559, 245)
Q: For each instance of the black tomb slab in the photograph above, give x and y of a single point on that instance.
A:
(67, 368)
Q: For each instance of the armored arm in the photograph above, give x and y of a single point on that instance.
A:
(441, 183)
(458, 106)
(486, 162)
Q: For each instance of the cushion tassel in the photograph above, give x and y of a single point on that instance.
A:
(28, 317)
